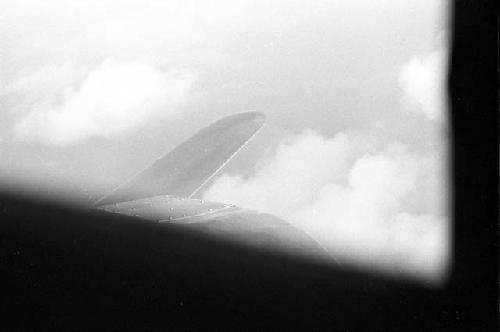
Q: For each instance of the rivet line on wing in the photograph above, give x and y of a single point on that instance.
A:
(211, 211)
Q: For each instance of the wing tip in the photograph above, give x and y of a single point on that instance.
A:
(244, 117)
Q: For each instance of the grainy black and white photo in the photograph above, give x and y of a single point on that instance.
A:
(211, 164)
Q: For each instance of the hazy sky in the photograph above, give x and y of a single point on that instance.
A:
(93, 91)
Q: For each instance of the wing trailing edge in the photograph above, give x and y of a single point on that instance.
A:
(186, 169)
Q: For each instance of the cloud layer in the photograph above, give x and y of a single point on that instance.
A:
(102, 68)
(113, 97)
(364, 206)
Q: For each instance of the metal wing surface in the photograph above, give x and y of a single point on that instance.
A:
(184, 170)
(224, 221)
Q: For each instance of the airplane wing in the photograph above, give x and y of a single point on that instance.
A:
(163, 193)
(183, 171)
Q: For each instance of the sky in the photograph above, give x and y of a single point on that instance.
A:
(355, 147)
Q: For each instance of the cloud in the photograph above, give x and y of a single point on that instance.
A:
(423, 80)
(113, 97)
(364, 206)
(286, 180)
(36, 83)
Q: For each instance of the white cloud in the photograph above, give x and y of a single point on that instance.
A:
(113, 97)
(286, 180)
(423, 79)
(364, 207)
